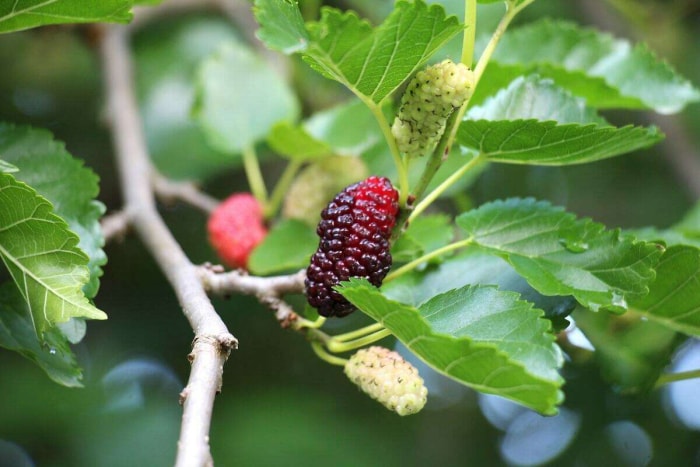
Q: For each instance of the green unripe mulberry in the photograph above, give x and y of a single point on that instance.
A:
(431, 96)
(389, 379)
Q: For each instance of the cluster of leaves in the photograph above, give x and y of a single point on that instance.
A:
(536, 105)
(475, 298)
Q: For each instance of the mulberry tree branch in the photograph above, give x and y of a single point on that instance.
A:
(213, 341)
(268, 290)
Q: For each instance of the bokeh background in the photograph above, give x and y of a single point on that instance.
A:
(281, 405)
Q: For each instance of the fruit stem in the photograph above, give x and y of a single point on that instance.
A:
(469, 32)
(674, 377)
(337, 347)
(303, 323)
(325, 356)
(281, 188)
(254, 175)
(401, 166)
(358, 332)
(408, 267)
(448, 182)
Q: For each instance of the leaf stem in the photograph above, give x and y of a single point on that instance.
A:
(449, 181)
(469, 32)
(282, 187)
(325, 356)
(254, 175)
(674, 377)
(359, 332)
(337, 347)
(401, 166)
(408, 267)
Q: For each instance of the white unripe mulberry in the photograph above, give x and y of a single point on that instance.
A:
(386, 377)
(431, 96)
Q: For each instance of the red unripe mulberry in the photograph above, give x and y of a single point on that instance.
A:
(235, 228)
(355, 229)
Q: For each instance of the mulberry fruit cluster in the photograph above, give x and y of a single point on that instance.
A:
(354, 242)
(235, 228)
(389, 379)
(430, 98)
(318, 183)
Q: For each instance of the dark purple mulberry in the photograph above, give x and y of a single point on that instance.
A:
(355, 228)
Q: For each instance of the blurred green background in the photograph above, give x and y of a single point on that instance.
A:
(281, 405)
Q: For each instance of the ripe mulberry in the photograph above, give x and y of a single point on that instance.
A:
(235, 228)
(354, 230)
(430, 98)
(389, 379)
(318, 183)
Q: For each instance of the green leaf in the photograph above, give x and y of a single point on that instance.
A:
(71, 188)
(560, 255)
(480, 336)
(690, 224)
(42, 257)
(372, 62)
(7, 168)
(16, 15)
(17, 333)
(288, 246)
(349, 129)
(631, 352)
(533, 97)
(425, 234)
(282, 26)
(548, 143)
(166, 56)
(608, 72)
(239, 99)
(533, 121)
(473, 267)
(295, 143)
(674, 297)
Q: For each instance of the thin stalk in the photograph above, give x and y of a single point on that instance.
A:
(511, 12)
(408, 267)
(448, 182)
(303, 323)
(674, 377)
(469, 32)
(401, 166)
(325, 356)
(254, 175)
(337, 347)
(282, 187)
(358, 332)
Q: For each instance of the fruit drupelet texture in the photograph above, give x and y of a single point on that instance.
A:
(389, 379)
(431, 96)
(235, 228)
(354, 236)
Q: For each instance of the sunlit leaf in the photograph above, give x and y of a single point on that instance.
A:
(372, 62)
(16, 15)
(43, 257)
(47, 167)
